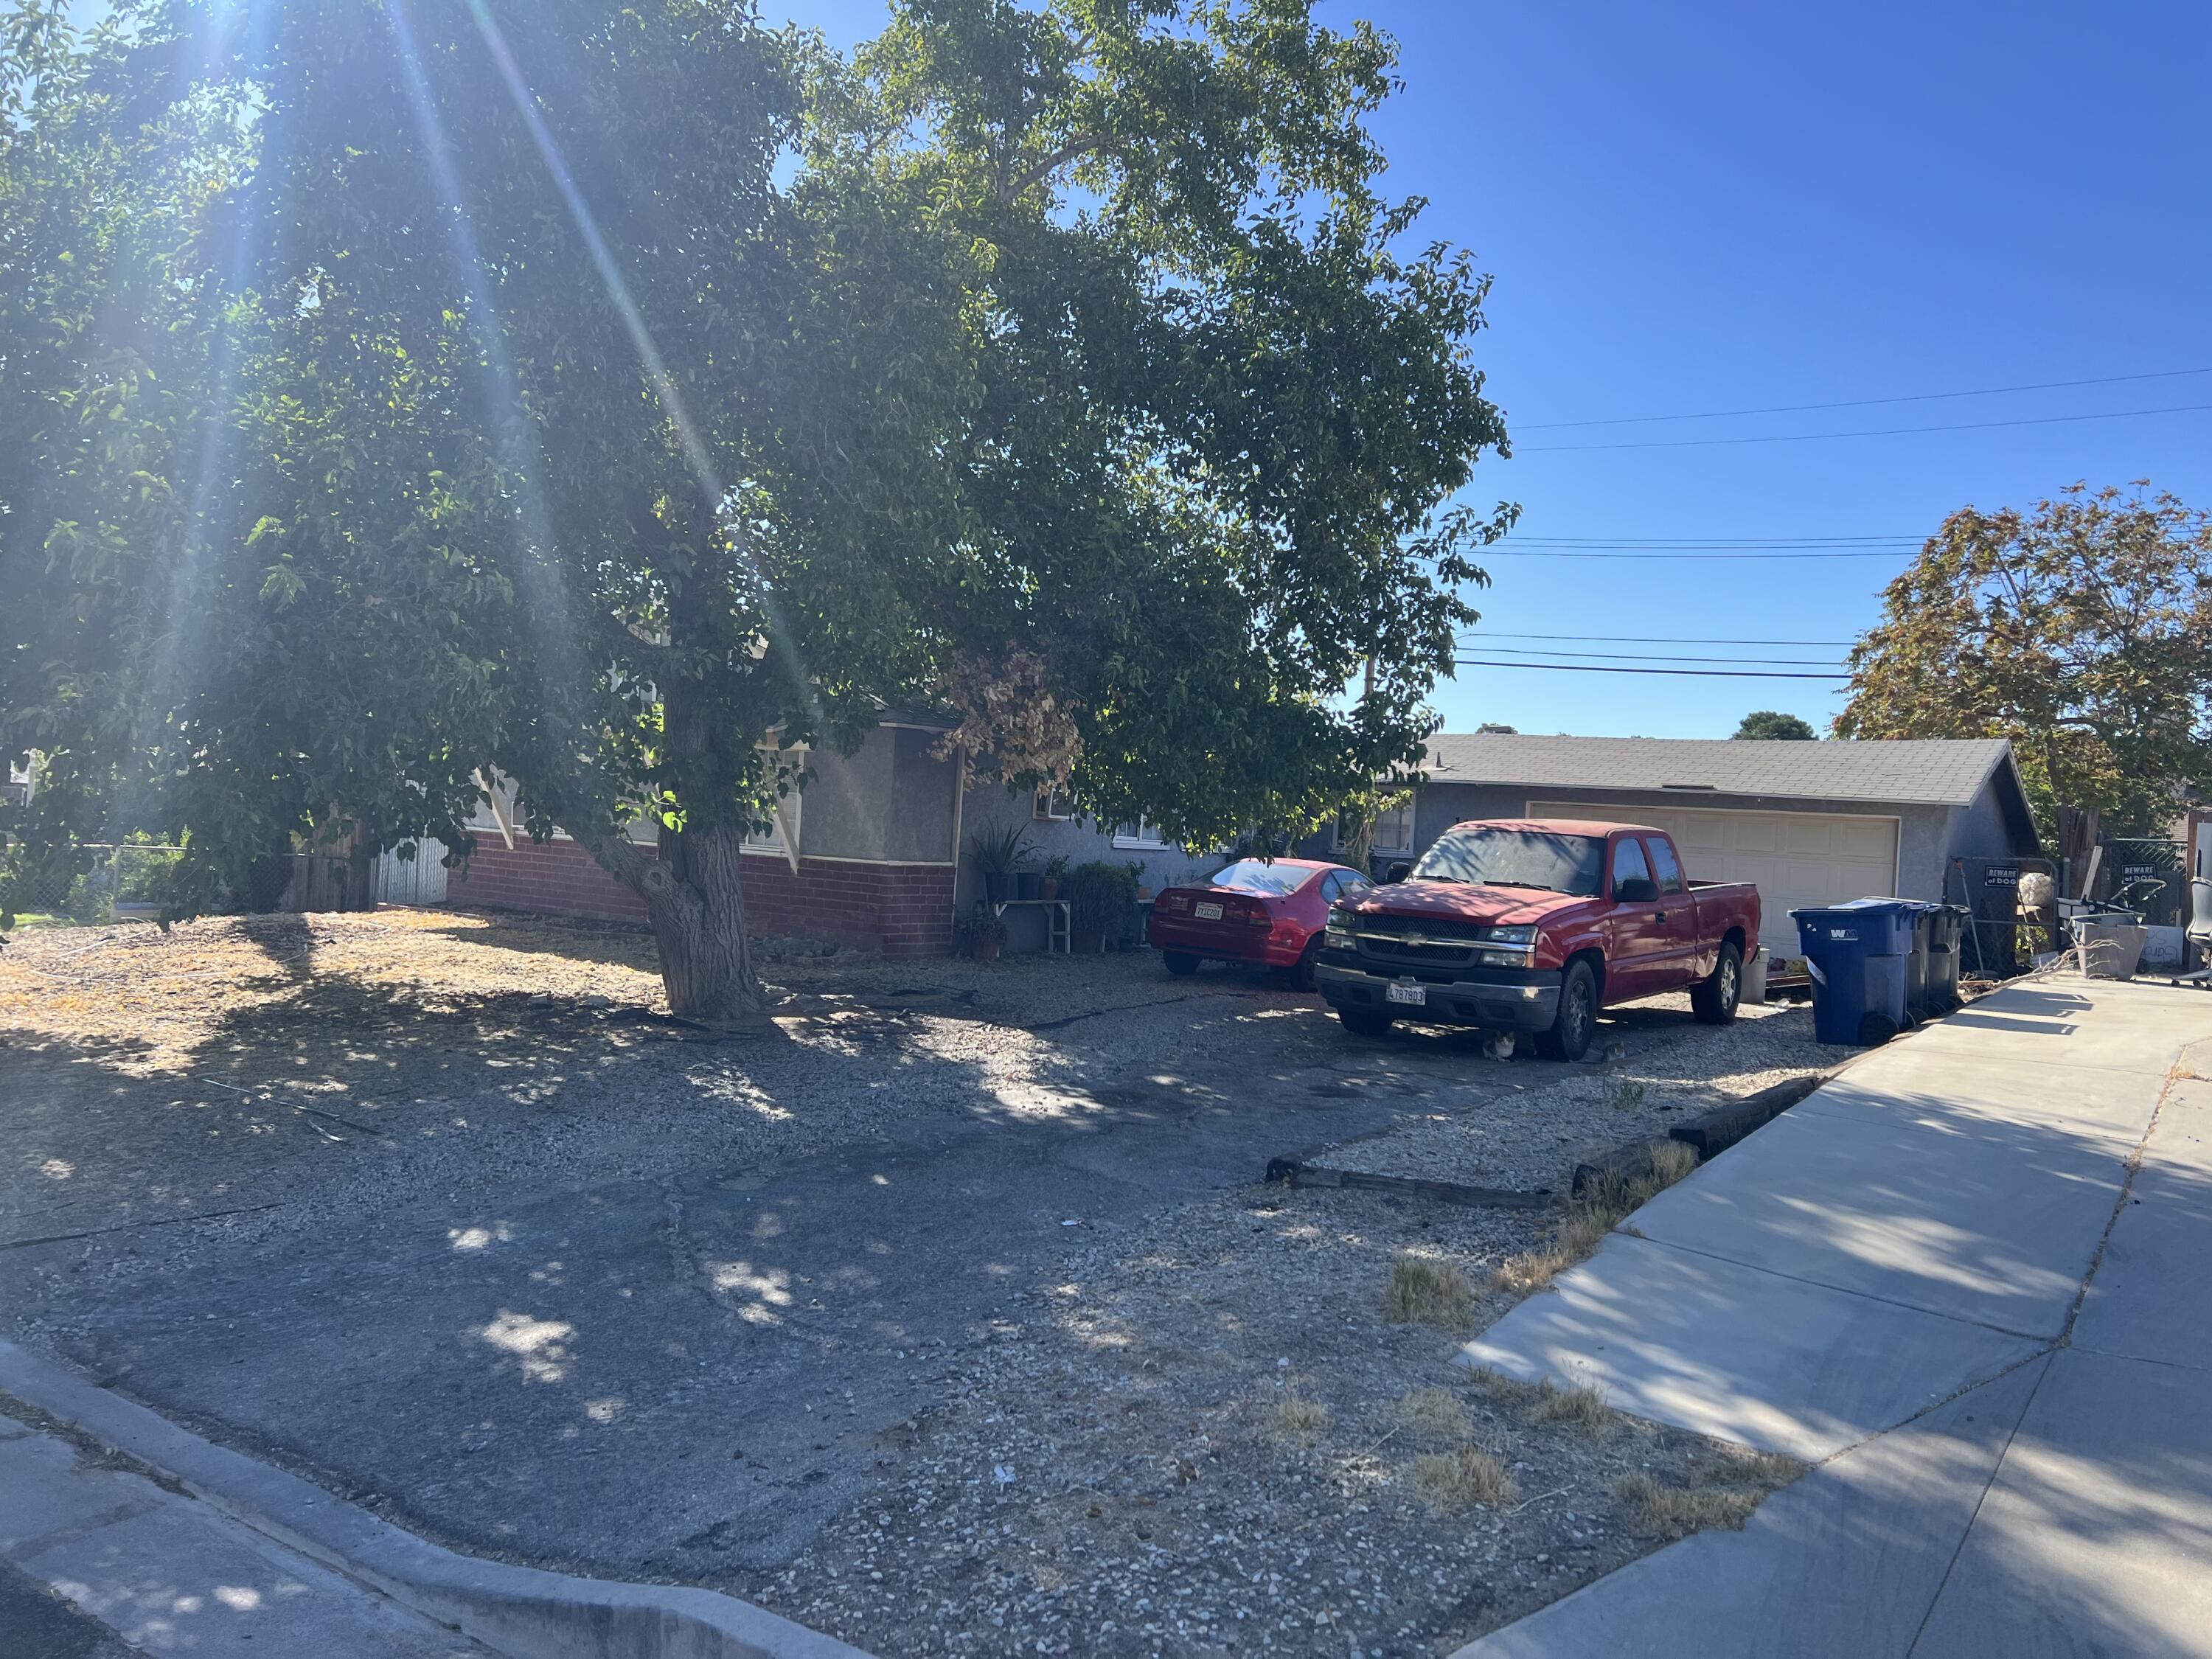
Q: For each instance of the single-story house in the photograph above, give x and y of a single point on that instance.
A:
(1812, 823)
(873, 853)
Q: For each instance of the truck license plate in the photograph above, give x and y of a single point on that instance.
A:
(1205, 912)
(1418, 996)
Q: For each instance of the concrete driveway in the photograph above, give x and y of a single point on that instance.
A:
(1969, 1280)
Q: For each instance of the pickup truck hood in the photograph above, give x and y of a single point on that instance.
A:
(1496, 906)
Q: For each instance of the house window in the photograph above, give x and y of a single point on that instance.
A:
(1393, 828)
(1140, 833)
(1051, 806)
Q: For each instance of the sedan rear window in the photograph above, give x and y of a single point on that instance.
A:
(1254, 876)
(1516, 858)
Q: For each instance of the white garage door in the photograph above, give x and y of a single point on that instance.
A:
(1795, 858)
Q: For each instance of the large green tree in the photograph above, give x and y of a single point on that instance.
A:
(627, 399)
(2082, 630)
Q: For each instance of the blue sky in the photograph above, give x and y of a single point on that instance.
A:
(1692, 207)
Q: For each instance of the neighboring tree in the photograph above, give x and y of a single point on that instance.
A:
(629, 400)
(2082, 631)
(1768, 725)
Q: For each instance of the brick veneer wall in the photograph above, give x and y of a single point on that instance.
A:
(898, 909)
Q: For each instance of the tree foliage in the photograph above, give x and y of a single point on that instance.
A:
(2082, 630)
(1772, 725)
(628, 399)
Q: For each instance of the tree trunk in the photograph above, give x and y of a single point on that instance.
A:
(698, 915)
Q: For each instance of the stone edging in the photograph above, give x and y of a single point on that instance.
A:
(522, 1611)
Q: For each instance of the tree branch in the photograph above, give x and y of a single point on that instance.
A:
(1083, 144)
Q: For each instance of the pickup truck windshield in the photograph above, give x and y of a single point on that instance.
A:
(1516, 858)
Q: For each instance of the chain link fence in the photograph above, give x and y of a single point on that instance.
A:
(100, 884)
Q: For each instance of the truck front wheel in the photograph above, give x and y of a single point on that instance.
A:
(1713, 999)
(1576, 1021)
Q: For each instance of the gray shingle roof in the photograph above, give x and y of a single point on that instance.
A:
(1936, 772)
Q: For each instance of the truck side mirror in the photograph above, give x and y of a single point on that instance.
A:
(1397, 870)
(1636, 890)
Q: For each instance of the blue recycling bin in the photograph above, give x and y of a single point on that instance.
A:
(1859, 955)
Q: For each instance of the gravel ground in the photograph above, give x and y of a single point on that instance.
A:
(270, 1072)
(1534, 1142)
(1111, 1478)
(1106, 1472)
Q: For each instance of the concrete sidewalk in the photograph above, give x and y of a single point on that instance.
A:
(1945, 1279)
(99, 1562)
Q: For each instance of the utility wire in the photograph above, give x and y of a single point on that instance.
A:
(1476, 640)
(1871, 432)
(1864, 403)
(1650, 656)
(1718, 541)
(1692, 673)
(1685, 553)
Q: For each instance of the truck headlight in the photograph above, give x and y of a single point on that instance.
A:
(1337, 931)
(1510, 935)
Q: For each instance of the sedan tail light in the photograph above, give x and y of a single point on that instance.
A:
(1174, 903)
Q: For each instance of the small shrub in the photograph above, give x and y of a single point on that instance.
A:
(1293, 1415)
(1582, 1406)
(1589, 1218)
(1431, 1292)
(1623, 1095)
(1464, 1476)
(1435, 1415)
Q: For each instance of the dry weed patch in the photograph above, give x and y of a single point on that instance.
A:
(1728, 1485)
(1429, 1292)
(1461, 1478)
(1589, 1219)
(1582, 1406)
(1293, 1415)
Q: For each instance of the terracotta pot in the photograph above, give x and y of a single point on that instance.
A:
(986, 950)
(1047, 887)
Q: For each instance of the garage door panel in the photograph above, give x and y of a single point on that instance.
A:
(1795, 859)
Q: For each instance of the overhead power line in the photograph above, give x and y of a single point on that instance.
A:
(1475, 639)
(1686, 553)
(1689, 673)
(1650, 656)
(1863, 403)
(1717, 541)
(1869, 432)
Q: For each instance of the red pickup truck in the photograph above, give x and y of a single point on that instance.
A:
(1534, 925)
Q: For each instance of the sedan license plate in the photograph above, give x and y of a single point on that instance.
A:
(1418, 996)
(1205, 912)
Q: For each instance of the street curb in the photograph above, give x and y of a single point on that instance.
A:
(522, 1611)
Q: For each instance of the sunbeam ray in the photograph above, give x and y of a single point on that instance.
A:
(663, 383)
(537, 558)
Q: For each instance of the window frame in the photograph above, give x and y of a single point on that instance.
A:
(1138, 836)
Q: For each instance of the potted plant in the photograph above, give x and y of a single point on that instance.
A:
(987, 937)
(996, 852)
(1048, 879)
(1101, 901)
(1028, 882)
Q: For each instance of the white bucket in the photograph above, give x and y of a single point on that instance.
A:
(1754, 989)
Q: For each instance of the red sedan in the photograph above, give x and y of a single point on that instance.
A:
(1268, 911)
